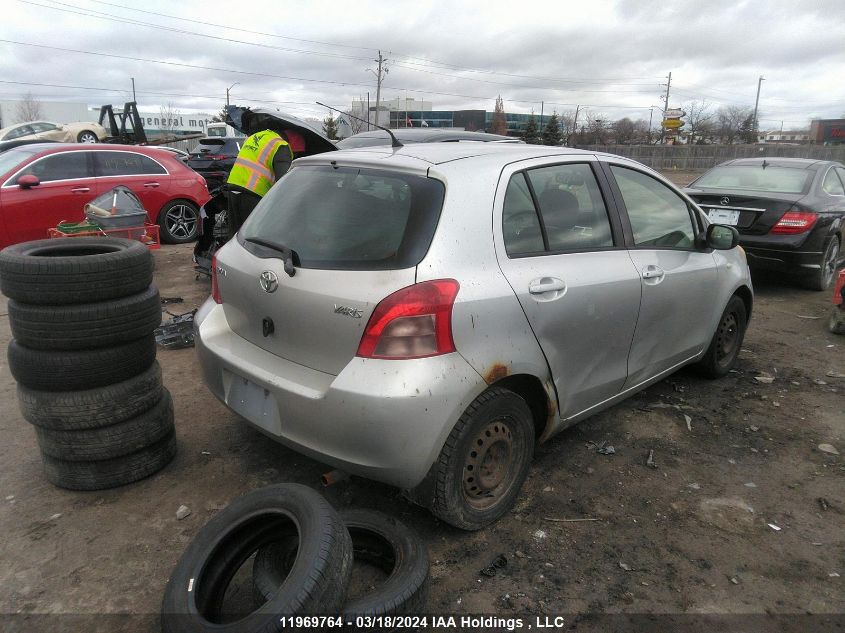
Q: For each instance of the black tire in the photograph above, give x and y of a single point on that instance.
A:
(377, 539)
(92, 408)
(724, 347)
(193, 598)
(111, 441)
(497, 425)
(823, 278)
(179, 221)
(836, 324)
(80, 369)
(87, 136)
(110, 473)
(86, 325)
(77, 270)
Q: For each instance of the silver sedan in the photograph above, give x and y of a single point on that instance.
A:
(424, 315)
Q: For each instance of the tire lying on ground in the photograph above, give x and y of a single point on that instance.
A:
(81, 270)
(85, 325)
(80, 369)
(377, 539)
(194, 596)
(110, 473)
(111, 441)
(92, 408)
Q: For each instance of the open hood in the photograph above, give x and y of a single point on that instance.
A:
(252, 120)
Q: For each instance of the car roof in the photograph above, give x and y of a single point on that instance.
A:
(420, 158)
(422, 134)
(795, 163)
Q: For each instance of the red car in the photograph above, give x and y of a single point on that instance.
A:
(43, 184)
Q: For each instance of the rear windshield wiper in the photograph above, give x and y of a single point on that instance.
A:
(289, 256)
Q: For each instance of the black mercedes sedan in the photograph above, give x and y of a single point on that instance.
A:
(790, 212)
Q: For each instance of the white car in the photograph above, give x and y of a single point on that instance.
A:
(78, 132)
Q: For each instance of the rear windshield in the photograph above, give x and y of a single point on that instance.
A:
(218, 146)
(757, 178)
(349, 219)
(363, 141)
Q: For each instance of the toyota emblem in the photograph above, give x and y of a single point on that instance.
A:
(268, 280)
(725, 200)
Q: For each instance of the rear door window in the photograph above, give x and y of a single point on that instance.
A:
(832, 185)
(126, 164)
(349, 219)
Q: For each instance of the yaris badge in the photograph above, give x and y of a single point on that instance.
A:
(268, 280)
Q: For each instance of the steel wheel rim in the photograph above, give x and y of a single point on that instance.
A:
(727, 336)
(829, 264)
(488, 468)
(181, 221)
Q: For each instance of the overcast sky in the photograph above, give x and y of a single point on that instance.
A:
(612, 57)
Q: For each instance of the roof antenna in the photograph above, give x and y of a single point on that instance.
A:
(765, 164)
(394, 141)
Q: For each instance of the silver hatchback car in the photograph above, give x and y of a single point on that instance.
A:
(424, 315)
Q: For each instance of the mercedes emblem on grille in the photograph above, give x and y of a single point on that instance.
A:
(268, 280)
(725, 200)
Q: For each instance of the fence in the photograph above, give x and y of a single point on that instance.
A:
(188, 145)
(702, 157)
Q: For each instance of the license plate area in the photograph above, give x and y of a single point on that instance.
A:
(723, 216)
(255, 403)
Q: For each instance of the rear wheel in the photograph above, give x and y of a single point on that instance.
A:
(724, 347)
(179, 221)
(822, 279)
(87, 136)
(485, 461)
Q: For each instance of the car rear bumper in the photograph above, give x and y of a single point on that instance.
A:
(384, 420)
(783, 260)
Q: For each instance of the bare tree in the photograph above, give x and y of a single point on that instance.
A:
(698, 119)
(597, 123)
(729, 121)
(169, 115)
(623, 129)
(566, 120)
(28, 109)
(641, 131)
(499, 124)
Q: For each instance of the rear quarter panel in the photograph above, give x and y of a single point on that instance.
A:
(488, 325)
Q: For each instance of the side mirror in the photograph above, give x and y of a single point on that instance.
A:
(721, 237)
(27, 181)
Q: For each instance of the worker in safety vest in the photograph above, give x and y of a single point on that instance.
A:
(264, 158)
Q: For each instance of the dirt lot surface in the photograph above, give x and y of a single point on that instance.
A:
(741, 513)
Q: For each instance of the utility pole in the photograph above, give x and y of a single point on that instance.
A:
(133, 90)
(542, 105)
(665, 107)
(756, 103)
(379, 76)
(227, 91)
(650, 117)
(574, 122)
(368, 111)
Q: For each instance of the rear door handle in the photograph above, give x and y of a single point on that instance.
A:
(546, 285)
(653, 272)
(151, 184)
(81, 189)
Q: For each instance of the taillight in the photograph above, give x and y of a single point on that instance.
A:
(215, 288)
(794, 222)
(216, 156)
(414, 322)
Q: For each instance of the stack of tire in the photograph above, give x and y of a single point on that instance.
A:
(302, 553)
(82, 313)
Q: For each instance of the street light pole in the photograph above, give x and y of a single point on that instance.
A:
(227, 91)
(133, 90)
(756, 103)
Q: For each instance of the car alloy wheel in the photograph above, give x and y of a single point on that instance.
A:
(88, 137)
(181, 221)
(829, 263)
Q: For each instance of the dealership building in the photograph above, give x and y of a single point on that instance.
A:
(827, 131)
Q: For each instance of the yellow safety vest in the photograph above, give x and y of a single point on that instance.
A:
(253, 167)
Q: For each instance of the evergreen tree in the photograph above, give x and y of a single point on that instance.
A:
(330, 128)
(220, 117)
(499, 124)
(530, 134)
(746, 130)
(551, 133)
